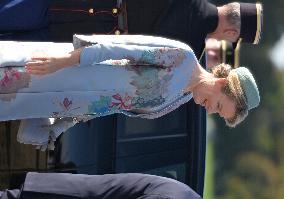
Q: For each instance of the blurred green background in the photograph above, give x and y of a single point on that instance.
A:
(248, 161)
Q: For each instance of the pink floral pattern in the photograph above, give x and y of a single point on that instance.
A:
(12, 79)
(66, 106)
(153, 72)
(164, 57)
(121, 102)
(152, 82)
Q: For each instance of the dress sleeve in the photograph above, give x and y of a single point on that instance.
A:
(133, 54)
(140, 40)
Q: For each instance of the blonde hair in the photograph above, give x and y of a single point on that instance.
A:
(234, 91)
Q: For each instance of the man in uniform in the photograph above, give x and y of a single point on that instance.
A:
(109, 186)
(192, 21)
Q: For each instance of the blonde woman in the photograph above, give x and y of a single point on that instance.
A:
(139, 76)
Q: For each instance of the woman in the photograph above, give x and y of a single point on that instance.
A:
(139, 76)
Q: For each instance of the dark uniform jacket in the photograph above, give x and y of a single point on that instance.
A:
(186, 20)
(109, 186)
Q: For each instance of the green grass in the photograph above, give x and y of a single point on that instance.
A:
(209, 172)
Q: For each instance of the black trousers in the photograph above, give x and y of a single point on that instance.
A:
(109, 186)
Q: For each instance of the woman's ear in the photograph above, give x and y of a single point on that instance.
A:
(221, 81)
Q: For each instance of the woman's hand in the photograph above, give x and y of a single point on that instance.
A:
(45, 65)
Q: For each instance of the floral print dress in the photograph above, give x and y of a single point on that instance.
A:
(139, 76)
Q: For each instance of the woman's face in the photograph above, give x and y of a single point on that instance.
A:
(211, 97)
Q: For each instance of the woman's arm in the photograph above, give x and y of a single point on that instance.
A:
(46, 65)
(136, 54)
(140, 40)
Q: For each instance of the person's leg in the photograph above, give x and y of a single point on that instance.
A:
(109, 186)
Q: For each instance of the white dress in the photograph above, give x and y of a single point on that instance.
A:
(139, 76)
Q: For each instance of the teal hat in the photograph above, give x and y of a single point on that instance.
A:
(249, 87)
